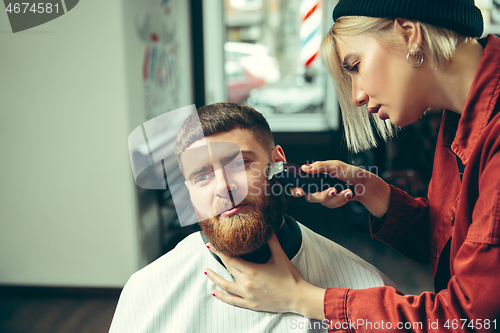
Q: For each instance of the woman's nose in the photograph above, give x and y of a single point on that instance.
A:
(359, 97)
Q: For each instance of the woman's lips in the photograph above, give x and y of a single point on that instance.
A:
(381, 115)
(378, 109)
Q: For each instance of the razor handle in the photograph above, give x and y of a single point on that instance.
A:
(290, 176)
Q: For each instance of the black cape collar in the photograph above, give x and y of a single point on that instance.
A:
(289, 236)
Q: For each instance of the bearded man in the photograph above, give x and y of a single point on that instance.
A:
(224, 162)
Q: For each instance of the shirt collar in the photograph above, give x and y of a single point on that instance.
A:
(462, 132)
(289, 236)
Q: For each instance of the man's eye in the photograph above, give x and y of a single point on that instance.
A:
(202, 179)
(238, 164)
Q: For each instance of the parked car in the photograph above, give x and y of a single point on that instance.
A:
(291, 96)
(255, 59)
(240, 82)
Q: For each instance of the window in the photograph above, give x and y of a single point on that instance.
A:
(272, 61)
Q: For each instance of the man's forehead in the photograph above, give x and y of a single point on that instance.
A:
(239, 136)
(199, 143)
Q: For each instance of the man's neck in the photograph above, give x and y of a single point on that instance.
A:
(263, 254)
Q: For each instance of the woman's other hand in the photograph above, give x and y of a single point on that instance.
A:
(276, 286)
(370, 189)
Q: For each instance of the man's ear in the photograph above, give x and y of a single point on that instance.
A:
(410, 31)
(278, 154)
(188, 187)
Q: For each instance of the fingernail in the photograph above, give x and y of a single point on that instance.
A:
(348, 195)
(308, 165)
(332, 193)
(208, 246)
(213, 294)
(299, 193)
(205, 272)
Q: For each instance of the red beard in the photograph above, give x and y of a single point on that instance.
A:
(247, 231)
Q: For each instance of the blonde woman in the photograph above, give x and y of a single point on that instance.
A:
(392, 60)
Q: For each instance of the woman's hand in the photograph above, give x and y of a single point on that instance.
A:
(370, 189)
(276, 286)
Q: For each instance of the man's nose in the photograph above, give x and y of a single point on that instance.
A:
(222, 187)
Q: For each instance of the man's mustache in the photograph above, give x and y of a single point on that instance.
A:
(223, 205)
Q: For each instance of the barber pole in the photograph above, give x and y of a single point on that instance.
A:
(310, 31)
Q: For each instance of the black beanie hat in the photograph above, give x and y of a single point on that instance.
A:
(461, 16)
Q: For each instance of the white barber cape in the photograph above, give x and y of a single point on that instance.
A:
(172, 295)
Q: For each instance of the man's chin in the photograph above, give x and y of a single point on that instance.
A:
(236, 235)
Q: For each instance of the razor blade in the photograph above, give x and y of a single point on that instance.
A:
(290, 176)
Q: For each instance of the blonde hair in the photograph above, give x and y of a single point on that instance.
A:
(438, 46)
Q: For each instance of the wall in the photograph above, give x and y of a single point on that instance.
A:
(68, 208)
(159, 79)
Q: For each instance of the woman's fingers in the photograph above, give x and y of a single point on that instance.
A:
(321, 196)
(335, 197)
(330, 195)
(232, 300)
(297, 192)
(228, 286)
(334, 168)
(240, 301)
(235, 290)
(340, 170)
(330, 198)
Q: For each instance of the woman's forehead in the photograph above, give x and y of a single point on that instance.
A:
(348, 44)
(356, 44)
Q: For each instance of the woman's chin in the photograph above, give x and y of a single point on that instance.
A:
(402, 121)
(399, 123)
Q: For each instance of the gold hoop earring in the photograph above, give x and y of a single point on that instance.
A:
(419, 58)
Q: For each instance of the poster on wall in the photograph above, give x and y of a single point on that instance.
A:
(158, 31)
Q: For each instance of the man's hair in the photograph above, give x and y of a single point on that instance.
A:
(224, 117)
(438, 46)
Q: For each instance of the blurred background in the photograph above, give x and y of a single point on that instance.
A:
(74, 226)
